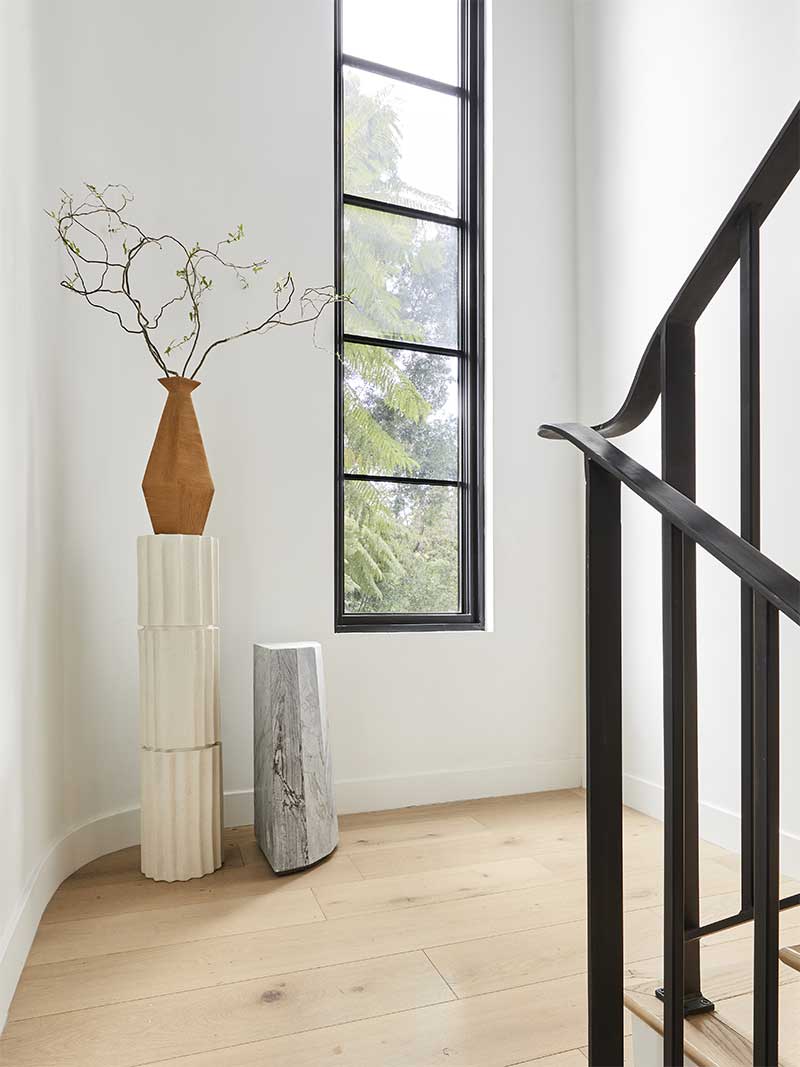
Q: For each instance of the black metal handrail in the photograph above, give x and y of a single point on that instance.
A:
(764, 576)
(667, 371)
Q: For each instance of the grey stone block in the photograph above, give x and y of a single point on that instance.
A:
(295, 811)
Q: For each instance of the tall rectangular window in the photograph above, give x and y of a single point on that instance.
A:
(409, 340)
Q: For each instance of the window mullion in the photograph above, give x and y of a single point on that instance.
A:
(358, 63)
(391, 208)
(399, 343)
(403, 479)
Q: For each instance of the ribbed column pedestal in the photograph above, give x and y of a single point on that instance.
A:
(179, 701)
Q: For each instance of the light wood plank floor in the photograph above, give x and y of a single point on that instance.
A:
(436, 935)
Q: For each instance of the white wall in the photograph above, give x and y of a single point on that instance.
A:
(31, 766)
(675, 104)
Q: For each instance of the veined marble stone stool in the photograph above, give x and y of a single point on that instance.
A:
(295, 811)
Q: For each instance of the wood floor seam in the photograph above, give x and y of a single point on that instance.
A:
(144, 911)
(295, 1033)
(540, 1059)
(441, 975)
(298, 1033)
(227, 985)
(189, 941)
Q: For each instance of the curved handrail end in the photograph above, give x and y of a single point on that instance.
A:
(766, 186)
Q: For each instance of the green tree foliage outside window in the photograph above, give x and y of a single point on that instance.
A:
(400, 407)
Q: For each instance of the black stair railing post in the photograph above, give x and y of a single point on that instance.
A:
(750, 498)
(679, 470)
(674, 592)
(766, 822)
(604, 765)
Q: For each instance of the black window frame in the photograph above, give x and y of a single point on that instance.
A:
(470, 353)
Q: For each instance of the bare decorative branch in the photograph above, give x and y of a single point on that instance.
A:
(103, 247)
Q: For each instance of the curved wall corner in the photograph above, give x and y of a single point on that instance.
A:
(78, 846)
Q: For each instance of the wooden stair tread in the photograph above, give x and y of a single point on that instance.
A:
(708, 1040)
(791, 956)
(721, 1038)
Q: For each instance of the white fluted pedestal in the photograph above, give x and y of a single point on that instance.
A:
(179, 701)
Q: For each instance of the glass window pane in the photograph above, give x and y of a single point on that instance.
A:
(400, 413)
(420, 36)
(400, 143)
(400, 548)
(402, 277)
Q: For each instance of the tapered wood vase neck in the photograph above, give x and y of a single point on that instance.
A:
(182, 386)
(177, 484)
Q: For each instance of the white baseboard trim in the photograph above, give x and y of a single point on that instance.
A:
(379, 794)
(238, 807)
(717, 825)
(408, 791)
(78, 846)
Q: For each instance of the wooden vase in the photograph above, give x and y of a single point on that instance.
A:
(177, 483)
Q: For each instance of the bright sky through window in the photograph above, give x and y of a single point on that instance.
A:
(420, 36)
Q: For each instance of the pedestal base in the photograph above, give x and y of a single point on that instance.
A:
(181, 813)
(179, 698)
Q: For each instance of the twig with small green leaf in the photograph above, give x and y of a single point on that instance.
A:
(103, 246)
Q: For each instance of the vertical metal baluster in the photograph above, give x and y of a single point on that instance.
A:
(604, 765)
(678, 450)
(766, 773)
(750, 498)
(674, 574)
